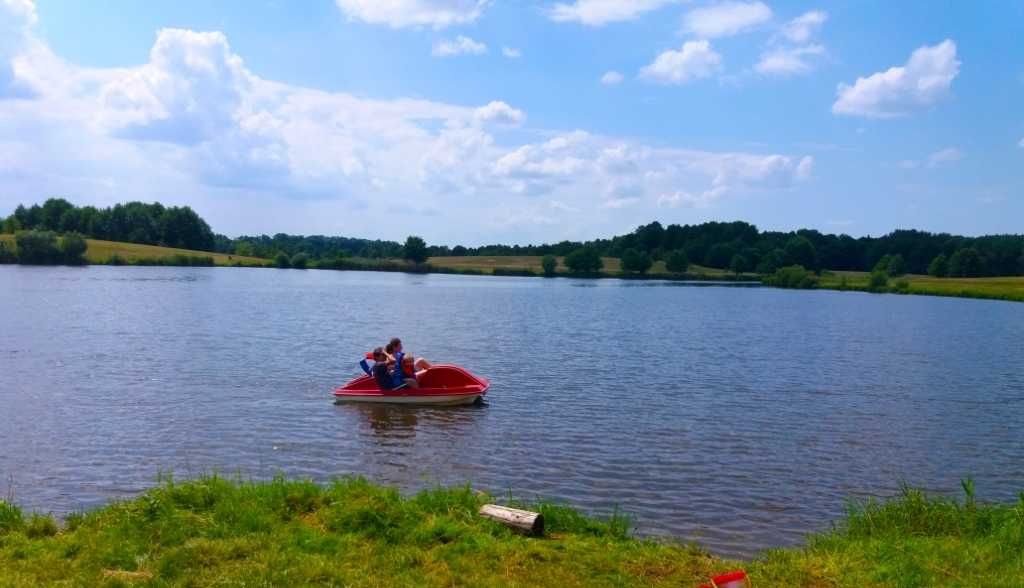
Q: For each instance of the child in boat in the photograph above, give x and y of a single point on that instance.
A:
(380, 371)
(403, 374)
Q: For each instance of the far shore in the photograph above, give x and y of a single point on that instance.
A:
(1010, 288)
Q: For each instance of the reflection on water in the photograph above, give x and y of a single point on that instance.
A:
(739, 417)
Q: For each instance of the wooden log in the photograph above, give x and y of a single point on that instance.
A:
(523, 521)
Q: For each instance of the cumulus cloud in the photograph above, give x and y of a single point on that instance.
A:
(696, 59)
(413, 13)
(500, 113)
(460, 45)
(726, 19)
(611, 78)
(943, 156)
(16, 18)
(788, 61)
(923, 81)
(598, 13)
(190, 90)
(511, 52)
(805, 26)
(193, 126)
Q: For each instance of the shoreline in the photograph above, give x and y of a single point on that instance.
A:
(214, 530)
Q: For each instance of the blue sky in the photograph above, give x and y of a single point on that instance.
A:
(477, 121)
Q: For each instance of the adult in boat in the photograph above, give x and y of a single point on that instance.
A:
(381, 370)
(419, 364)
(406, 369)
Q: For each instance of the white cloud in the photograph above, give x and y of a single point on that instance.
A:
(190, 90)
(16, 18)
(788, 61)
(412, 13)
(908, 164)
(500, 113)
(725, 19)
(898, 91)
(511, 52)
(805, 26)
(194, 126)
(948, 155)
(611, 78)
(695, 60)
(460, 45)
(598, 13)
(617, 203)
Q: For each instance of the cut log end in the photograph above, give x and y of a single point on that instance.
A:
(522, 521)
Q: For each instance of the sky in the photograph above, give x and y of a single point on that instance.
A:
(486, 121)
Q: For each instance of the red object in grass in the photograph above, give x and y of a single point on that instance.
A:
(737, 579)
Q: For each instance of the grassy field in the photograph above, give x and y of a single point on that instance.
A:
(352, 533)
(1001, 288)
(101, 251)
(488, 264)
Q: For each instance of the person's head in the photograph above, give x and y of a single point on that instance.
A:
(407, 361)
(378, 355)
(395, 345)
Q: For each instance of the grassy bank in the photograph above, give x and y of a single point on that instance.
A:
(100, 252)
(531, 264)
(216, 532)
(999, 288)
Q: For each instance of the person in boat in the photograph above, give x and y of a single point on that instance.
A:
(381, 370)
(419, 364)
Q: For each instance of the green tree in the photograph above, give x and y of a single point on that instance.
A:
(738, 264)
(966, 263)
(37, 247)
(299, 260)
(635, 261)
(281, 260)
(720, 255)
(415, 249)
(677, 261)
(72, 248)
(10, 225)
(584, 260)
(549, 263)
(53, 210)
(800, 251)
(939, 267)
(771, 262)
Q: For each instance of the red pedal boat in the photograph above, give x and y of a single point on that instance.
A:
(441, 385)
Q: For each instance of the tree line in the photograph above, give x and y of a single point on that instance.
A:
(737, 246)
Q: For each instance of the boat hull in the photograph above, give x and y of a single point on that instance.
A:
(441, 385)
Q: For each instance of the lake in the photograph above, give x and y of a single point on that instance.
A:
(741, 418)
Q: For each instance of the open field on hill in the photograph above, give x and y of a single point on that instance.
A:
(996, 288)
(100, 251)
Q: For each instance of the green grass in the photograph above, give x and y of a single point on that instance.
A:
(998, 288)
(352, 533)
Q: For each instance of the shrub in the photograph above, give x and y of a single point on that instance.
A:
(40, 526)
(584, 260)
(6, 255)
(282, 261)
(72, 247)
(677, 261)
(299, 260)
(636, 261)
(939, 266)
(549, 263)
(509, 271)
(738, 264)
(37, 247)
(892, 265)
(792, 276)
(116, 259)
(10, 518)
(878, 281)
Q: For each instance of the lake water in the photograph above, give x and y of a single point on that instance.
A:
(738, 417)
